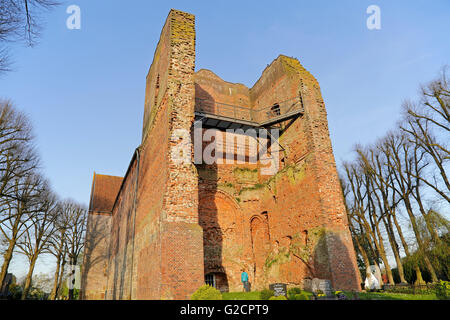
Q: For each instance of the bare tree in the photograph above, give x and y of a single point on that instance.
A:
(380, 183)
(20, 20)
(68, 241)
(59, 248)
(364, 221)
(5, 61)
(427, 124)
(396, 174)
(356, 234)
(17, 153)
(74, 216)
(37, 237)
(363, 211)
(18, 160)
(398, 153)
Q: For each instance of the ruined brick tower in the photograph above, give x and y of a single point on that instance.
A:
(169, 225)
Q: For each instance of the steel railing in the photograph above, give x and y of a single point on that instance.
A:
(276, 111)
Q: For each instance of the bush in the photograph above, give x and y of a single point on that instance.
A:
(292, 292)
(300, 296)
(15, 292)
(266, 294)
(278, 298)
(443, 290)
(411, 289)
(206, 292)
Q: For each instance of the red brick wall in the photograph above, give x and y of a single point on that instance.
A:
(121, 243)
(181, 236)
(167, 245)
(95, 258)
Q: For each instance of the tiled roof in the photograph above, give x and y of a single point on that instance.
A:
(104, 192)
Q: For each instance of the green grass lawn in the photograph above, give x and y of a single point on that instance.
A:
(254, 295)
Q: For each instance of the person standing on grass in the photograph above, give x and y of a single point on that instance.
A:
(244, 279)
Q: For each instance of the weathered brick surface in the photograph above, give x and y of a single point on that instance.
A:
(96, 246)
(120, 264)
(95, 262)
(172, 222)
(181, 259)
(287, 227)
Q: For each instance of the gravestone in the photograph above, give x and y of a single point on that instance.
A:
(279, 289)
(323, 285)
(307, 284)
(315, 284)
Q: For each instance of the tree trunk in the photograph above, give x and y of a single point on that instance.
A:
(27, 287)
(59, 261)
(419, 279)
(7, 257)
(380, 248)
(56, 281)
(434, 278)
(363, 253)
(360, 247)
(383, 256)
(372, 250)
(419, 242)
(394, 246)
(61, 276)
(432, 228)
(433, 234)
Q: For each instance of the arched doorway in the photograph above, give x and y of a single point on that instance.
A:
(218, 216)
(259, 229)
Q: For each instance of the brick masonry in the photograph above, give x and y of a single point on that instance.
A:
(171, 224)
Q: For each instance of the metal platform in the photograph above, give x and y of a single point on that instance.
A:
(225, 116)
(221, 122)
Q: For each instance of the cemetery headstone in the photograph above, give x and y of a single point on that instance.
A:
(279, 289)
(315, 284)
(307, 284)
(325, 287)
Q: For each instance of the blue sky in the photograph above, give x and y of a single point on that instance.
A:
(84, 89)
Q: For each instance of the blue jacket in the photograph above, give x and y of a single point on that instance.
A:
(244, 276)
